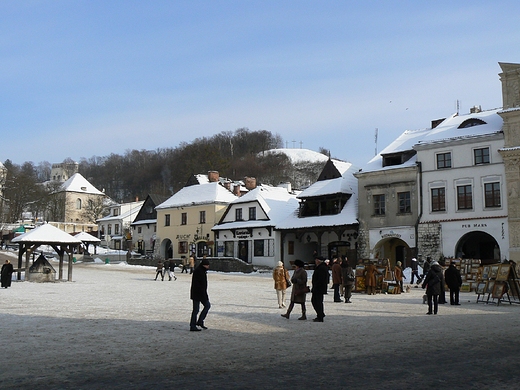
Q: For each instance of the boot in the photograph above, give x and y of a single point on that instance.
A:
(286, 315)
(303, 317)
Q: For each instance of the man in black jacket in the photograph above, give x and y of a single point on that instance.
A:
(199, 294)
(320, 281)
(454, 281)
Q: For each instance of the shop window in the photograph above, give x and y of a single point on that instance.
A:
(259, 248)
(229, 248)
(183, 247)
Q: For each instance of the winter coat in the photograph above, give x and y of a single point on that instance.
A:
(299, 281)
(7, 272)
(336, 274)
(434, 280)
(345, 272)
(452, 277)
(370, 275)
(159, 266)
(199, 284)
(280, 276)
(320, 279)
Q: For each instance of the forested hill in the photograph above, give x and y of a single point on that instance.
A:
(234, 155)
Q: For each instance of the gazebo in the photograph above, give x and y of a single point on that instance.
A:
(46, 234)
(88, 239)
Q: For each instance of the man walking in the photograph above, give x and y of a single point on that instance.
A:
(415, 271)
(454, 281)
(320, 281)
(199, 294)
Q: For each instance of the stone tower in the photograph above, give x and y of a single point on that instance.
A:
(510, 78)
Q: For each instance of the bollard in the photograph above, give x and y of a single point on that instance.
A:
(107, 261)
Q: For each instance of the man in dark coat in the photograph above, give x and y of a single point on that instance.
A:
(320, 281)
(7, 272)
(415, 271)
(454, 281)
(199, 294)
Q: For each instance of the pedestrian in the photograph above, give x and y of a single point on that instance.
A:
(184, 264)
(6, 274)
(370, 278)
(320, 281)
(426, 266)
(415, 271)
(159, 270)
(166, 271)
(336, 279)
(299, 289)
(192, 263)
(199, 294)
(171, 270)
(432, 282)
(454, 281)
(398, 272)
(280, 276)
(348, 277)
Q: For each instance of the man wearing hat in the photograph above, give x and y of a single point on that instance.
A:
(199, 294)
(320, 281)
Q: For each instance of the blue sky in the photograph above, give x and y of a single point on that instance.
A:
(90, 78)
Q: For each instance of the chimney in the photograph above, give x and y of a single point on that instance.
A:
(213, 176)
(250, 183)
(475, 110)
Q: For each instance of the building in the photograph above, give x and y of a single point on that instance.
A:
(247, 229)
(114, 229)
(144, 226)
(184, 221)
(62, 172)
(325, 222)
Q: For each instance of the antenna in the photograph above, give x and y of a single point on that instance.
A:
(375, 139)
(458, 106)
(301, 145)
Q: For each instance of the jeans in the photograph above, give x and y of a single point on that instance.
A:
(195, 311)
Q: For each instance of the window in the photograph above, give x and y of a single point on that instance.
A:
(252, 213)
(202, 216)
(229, 249)
(379, 204)
(438, 199)
(404, 202)
(167, 220)
(115, 212)
(184, 218)
(464, 197)
(444, 160)
(238, 214)
(183, 247)
(139, 229)
(492, 194)
(481, 156)
(290, 248)
(109, 229)
(78, 204)
(259, 247)
(116, 228)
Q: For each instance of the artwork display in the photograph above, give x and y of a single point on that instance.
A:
(503, 272)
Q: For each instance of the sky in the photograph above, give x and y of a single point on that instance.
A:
(89, 78)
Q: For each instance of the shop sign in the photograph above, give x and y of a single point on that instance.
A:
(242, 234)
(473, 226)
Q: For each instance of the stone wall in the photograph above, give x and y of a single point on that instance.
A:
(429, 240)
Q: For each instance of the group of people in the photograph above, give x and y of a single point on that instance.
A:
(434, 282)
(166, 268)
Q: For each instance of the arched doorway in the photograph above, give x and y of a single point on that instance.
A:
(478, 245)
(395, 250)
(167, 249)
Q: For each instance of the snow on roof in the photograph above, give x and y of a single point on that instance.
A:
(199, 194)
(77, 183)
(448, 129)
(346, 184)
(276, 202)
(47, 233)
(129, 213)
(85, 237)
(299, 155)
(144, 222)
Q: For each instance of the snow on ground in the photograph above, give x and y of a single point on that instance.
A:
(115, 327)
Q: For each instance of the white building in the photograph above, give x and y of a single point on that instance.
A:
(247, 229)
(114, 229)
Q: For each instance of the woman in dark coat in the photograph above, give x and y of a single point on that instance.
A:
(299, 289)
(433, 283)
(6, 274)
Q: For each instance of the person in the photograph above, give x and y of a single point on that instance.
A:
(280, 277)
(166, 270)
(370, 278)
(184, 264)
(159, 270)
(171, 270)
(336, 279)
(299, 289)
(426, 266)
(348, 278)
(398, 272)
(320, 281)
(199, 294)
(432, 282)
(454, 281)
(415, 271)
(6, 274)
(192, 263)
